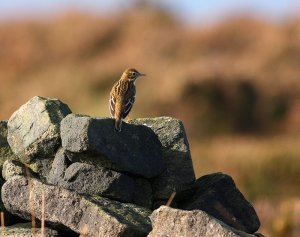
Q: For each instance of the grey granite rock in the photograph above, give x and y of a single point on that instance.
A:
(88, 179)
(176, 155)
(167, 221)
(9, 219)
(142, 195)
(12, 168)
(58, 167)
(86, 215)
(33, 130)
(5, 150)
(218, 195)
(25, 230)
(135, 150)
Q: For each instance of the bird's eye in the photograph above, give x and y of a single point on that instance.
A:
(133, 74)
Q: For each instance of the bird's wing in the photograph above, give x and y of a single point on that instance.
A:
(112, 105)
(127, 106)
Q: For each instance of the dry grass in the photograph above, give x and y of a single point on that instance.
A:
(261, 166)
(44, 58)
(2, 225)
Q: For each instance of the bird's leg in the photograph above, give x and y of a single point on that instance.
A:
(128, 119)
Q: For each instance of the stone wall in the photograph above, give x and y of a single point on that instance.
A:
(98, 182)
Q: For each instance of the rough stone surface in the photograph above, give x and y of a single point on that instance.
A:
(218, 195)
(167, 221)
(58, 168)
(89, 216)
(176, 155)
(12, 168)
(87, 179)
(25, 230)
(136, 149)
(5, 150)
(33, 130)
(142, 193)
(41, 167)
(9, 219)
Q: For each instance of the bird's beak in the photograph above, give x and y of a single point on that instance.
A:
(142, 75)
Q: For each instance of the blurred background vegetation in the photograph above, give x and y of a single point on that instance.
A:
(234, 82)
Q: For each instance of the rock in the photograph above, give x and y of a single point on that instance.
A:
(135, 150)
(217, 195)
(12, 168)
(25, 230)
(142, 193)
(41, 167)
(86, 215)
(5, 150)
(9, 219)
(58, 168)
(33, 130)
(167, 221)
(87, 179)
(176, 155)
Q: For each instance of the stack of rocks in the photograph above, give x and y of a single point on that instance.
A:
(99, 182)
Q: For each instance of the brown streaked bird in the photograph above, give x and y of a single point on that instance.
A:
(122, 96)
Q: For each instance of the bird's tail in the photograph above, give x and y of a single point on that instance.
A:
(118, 116)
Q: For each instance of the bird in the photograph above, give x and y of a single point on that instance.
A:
(122, 96)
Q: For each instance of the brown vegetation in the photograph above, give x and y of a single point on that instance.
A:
(236, 82)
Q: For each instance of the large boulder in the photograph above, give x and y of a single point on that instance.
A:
(5, 150)
(176, 155)
(90, 216)
(135, 150)
(167, 221)
(88, 179)
(25, 230)
(33, 130)
(218, 195)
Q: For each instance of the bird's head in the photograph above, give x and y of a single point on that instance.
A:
(131, 74)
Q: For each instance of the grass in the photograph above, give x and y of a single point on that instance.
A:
(261, 166)
(2, 225)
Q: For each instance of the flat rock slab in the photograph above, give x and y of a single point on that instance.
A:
(84, 215)
(167, 221)
(33, 130)
(135, 150)
(25, 230)
(5, 150)
(218, 195)
(88, 179)
(176, 155)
